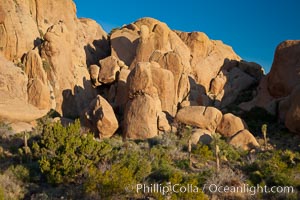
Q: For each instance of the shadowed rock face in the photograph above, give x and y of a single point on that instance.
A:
(292, 114)
(284, 74)
(278, 91)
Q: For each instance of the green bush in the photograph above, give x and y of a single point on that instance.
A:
(276, 167)
(131, 169)
(227, 151)
(159, 156)
(20, 172)
(183, 180)
(203, 152)
(66, 154)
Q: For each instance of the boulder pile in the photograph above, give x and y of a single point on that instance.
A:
(140, 80)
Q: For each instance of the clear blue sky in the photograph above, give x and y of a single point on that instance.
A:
(253, 28)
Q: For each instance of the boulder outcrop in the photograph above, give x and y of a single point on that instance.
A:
(230, 125)
(143, 107)
(100, 116)
(138, 76)
(284, 74)
(14, 104)
(275, 92)
(66, 45)
(292, 115)
(244, 140)
(202, 117)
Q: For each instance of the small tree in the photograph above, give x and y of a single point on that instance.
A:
(66, 154)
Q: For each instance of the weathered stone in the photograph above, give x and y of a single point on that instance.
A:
(218, 83)
(19, 127)
(39, 94)
(109, 69)
(252, 68)
(202, 117)
(122, 95)
(292, 117)
(14, 97)
(163, 123)
(237, 81)
(141, 72)
(38, 89)
(72, 88)
(244, 140)
(284, 74)
(94, 73)
(18, 30)
(230, 125)
(163, 81)
(201, 136)
(263, 99)
(140, 118)
(34, 66)
(207, 56)
(101, 116)
(173, 62)
(123, 44)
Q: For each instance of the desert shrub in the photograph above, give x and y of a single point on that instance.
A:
(20, 172)
(276, 167)
(21, 65)
(131, 169)
(203, 152)
(183, 164)
(12, 188)
(227, 177)
(159, 156)
(184, 181)
(192, 181)
(66, 154)
(227, 151)
(184, 134)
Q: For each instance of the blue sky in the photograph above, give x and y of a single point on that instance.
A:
(253, 28)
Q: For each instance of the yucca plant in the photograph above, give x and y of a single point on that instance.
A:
(264, 128)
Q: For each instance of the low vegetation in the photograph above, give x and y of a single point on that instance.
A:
(69, 163)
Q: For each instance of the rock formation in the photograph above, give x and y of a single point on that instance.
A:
(284, 74)
(64, 46)
(143, 107)
(14, 104)
(202, 117)
(292, 115)
(139, 79)
(100, 117)
(230, 125)
(244, 140)
(278, 91)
